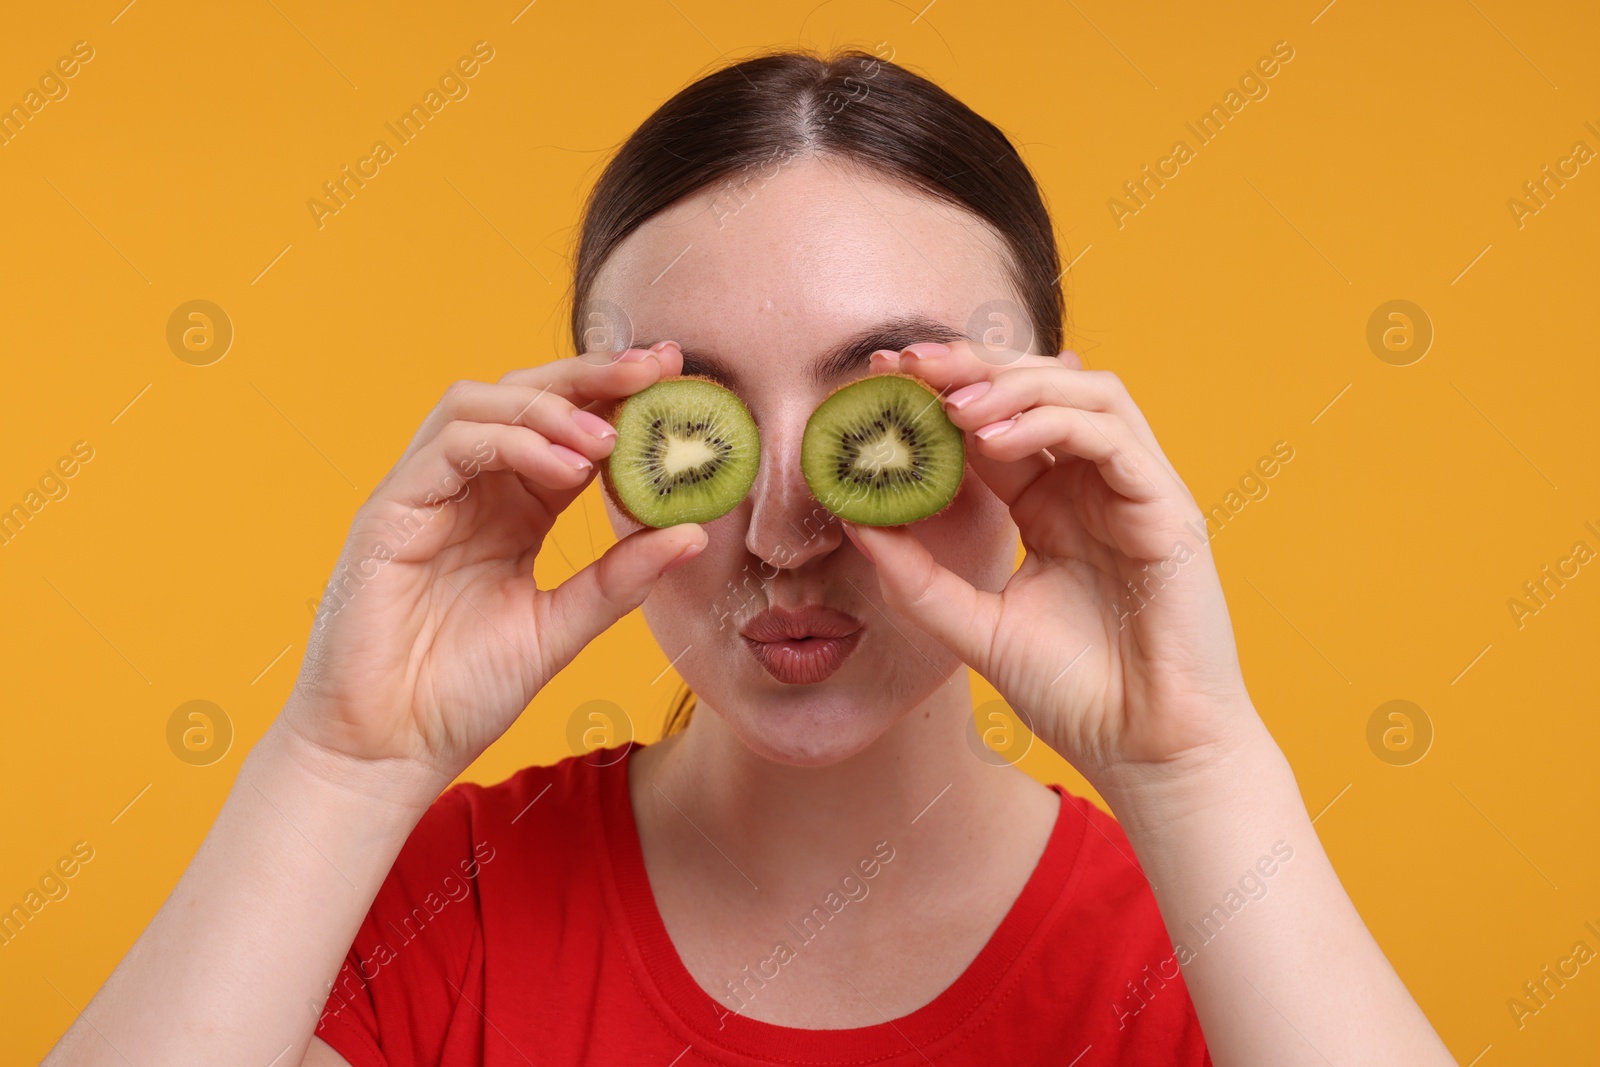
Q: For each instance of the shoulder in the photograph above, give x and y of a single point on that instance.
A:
(1111, 960)
(512, 802)
(1106, 875)
(472, 832)
(537, 809)
(1105, 898)
(482, 859)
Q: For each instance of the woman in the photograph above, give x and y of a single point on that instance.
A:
(817, 868)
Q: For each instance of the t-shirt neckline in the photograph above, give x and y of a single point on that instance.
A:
(946, 1020)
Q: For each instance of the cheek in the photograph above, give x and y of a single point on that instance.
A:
(974, 536)
(714, 591)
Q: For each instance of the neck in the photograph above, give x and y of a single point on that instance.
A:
(919, 787)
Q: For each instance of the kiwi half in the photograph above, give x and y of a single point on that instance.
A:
(687, 451)
(882, 452)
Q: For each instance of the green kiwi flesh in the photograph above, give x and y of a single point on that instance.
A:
(882, 452)
(687, 451)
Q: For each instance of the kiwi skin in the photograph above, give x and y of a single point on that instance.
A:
(959, 438)
(613, 415)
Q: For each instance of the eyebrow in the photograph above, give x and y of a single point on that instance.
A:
(852, 353)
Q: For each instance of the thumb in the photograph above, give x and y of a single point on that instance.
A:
(938, 600)
(584, 605)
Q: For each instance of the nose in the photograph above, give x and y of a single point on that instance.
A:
(788, 527)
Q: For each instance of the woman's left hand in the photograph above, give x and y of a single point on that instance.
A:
(1113, 677)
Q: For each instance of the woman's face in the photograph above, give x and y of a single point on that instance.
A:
(761, 282)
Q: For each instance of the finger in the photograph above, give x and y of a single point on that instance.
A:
(1104, 440)
(1002, 395)
(583, 606)
(970, 359)
(441, 469)
(602, 377)
(572, 382)
(557, 418)
(1008, 480)
(1059, 377)
(940, 602)
(956, 366)
(1018, 389)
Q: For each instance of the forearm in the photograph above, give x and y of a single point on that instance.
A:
(235, 965)
(1277, 961)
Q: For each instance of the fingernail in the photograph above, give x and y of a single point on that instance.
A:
(593, 424)
(887, 353)
(926, 350)
(967, 394)
(994, 429)
(634, 355)
(850, 532)
(661, 346)
(569, 457)
(689, 552)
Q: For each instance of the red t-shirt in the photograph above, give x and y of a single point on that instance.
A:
(518, 927)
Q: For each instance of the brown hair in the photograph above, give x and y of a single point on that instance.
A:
(851, 105)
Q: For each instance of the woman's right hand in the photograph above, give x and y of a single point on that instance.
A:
(432, 637)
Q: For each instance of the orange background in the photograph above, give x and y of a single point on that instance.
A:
(1235, 303)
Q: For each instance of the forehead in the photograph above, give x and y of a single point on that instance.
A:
(798, 255)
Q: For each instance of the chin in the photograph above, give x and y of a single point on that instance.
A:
(818, 714)
(816, 729)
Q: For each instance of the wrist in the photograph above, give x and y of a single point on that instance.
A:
(392, 789)
(1239, 774)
